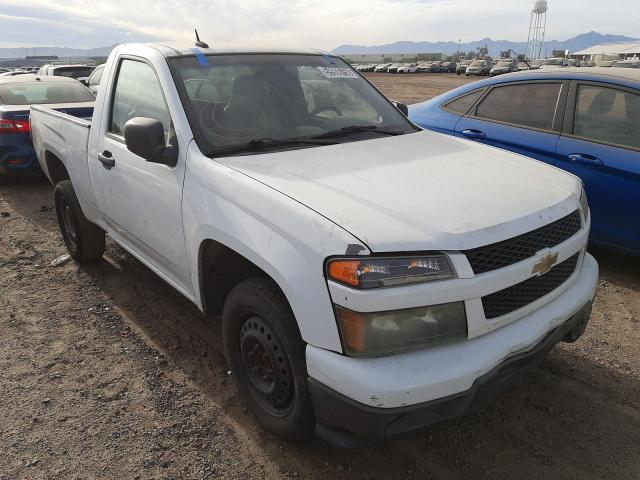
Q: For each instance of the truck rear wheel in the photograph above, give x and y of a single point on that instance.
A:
(267, 356)
(84, 240)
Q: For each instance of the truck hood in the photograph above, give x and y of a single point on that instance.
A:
(421, 191)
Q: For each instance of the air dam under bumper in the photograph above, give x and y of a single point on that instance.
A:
(348, 422)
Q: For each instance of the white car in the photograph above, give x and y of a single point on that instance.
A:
(409, 68)
(550, 63)
(372, 277)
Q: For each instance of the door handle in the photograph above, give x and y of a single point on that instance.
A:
(474, 134)
(585, 159)
(107, 160)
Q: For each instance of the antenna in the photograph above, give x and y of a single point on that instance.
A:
(200, 43)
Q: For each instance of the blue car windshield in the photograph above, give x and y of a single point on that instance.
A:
(43, 92)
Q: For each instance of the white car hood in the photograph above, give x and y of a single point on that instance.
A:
(422, 191)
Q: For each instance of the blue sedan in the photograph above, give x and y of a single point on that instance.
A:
(17, 94)
(583, 120)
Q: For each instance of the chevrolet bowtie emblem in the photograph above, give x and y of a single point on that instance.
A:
(545, 263)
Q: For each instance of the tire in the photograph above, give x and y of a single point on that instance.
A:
(260, 331)
(84, 240)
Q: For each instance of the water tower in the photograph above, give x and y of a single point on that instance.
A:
(537, 27)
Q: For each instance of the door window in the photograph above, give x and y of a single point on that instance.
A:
(462, 104)
(137, 94)
(530, 105)
(607, 115)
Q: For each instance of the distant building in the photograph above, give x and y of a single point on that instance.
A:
(392, 57)
(608, 52)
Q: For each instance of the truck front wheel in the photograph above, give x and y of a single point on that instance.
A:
(84, 240)
(267, 356)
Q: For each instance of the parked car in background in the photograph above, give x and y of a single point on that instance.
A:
(424, 67)
(478, 68)
(452, 67)
(462, 66)
(627, 64)
(503, 66)
(556, 62)
(17, 94)
(373, 278)
(71, 71)
(383, 67)
(393, 68)
(435, 66)
(93, 82)
(14, 73)
(444, 67)
(409, 68)
(591, 130)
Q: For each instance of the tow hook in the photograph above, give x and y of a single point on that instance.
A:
(582, 318)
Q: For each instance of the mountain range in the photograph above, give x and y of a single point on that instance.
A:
(574, 44)
(62, 52)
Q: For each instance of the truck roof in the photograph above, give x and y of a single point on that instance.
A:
(176, 50)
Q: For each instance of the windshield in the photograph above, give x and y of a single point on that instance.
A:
(626, 64)
(73, 72)
(503, 63)
(477, 63)
(41, 92)
(239, 100)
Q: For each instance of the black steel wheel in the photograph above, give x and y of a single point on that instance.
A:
(267, 366)
(84, 240)
(266, 354)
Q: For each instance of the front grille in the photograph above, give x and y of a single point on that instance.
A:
(522, 294)
(508, 252)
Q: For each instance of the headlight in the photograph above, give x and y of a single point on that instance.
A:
(383, 333)
(584, 206)
(389, 272)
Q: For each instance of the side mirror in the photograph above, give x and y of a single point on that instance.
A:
(145, 137)
(402, 107)
(84, 81)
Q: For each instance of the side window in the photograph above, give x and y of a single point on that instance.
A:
(607, 115)
(462, 104)
(137, 94)
(526, 104)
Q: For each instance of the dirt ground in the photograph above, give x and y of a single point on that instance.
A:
(109, 373)
(414, 88)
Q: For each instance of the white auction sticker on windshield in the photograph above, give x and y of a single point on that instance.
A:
(338, 72)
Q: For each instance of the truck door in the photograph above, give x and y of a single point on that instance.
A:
(141, 201)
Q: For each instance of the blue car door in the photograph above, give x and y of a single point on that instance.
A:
(601, 145)
(523, 117)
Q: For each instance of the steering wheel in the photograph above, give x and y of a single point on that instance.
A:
(325, 108)
(213, 124)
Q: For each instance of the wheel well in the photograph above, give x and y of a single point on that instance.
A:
(221, 269)
(55, 167)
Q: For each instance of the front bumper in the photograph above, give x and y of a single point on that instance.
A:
(346, 423)
(391, 387)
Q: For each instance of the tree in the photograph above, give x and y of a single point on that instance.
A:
(483, 51)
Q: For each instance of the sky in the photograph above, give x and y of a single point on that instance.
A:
(323, 24)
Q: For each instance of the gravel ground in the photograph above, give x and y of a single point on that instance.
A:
(108, 373)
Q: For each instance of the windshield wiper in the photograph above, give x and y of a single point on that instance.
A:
(355, 129)
(258, 144)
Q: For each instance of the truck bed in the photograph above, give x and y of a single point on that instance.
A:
(60, 137)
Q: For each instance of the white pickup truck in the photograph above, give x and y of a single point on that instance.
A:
(372, 278)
